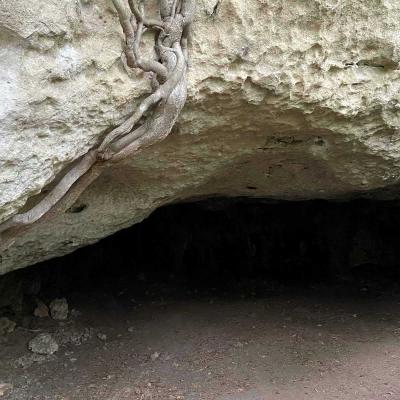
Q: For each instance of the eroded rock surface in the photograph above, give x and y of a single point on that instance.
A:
(287, 99)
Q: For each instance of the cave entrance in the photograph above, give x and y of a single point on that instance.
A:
(218, 299)
(219, 242)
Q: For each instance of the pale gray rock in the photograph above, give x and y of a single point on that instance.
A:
(43, 344)
(287, 100)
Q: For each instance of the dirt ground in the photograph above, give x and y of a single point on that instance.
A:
(285, 343)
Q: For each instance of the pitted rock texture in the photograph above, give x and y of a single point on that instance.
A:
(287, 99)
(43, 344)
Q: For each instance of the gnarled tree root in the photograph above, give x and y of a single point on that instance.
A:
(150, 123)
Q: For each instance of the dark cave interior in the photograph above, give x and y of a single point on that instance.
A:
(219, 244)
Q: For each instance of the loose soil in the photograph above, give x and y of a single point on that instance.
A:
(165, 343)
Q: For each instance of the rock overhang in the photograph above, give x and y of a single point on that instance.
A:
(287, 100)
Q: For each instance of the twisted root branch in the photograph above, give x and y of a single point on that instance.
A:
(151, 122)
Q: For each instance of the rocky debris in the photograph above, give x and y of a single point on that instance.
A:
(72, 335)
(43, 344)
(102, 336)
(41, 310)
(155, 356)
(79, 337)
(5, 388)
(131, 329)
(145, 394)
(59, 309)
(6, 326)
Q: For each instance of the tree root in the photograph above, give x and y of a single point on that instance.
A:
(150, 123)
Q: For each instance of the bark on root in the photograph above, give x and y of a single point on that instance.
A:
(151, 122)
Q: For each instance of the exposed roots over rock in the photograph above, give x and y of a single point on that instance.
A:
(150, 123)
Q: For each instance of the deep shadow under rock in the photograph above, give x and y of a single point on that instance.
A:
(221, 299)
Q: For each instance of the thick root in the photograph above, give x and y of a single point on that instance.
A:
(151, 122)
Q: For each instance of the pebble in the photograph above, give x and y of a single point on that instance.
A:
(6, 326)
(59, 309)
(154, 356)
(43, 344)
(102, 336)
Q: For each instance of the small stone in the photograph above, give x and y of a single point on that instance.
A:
(80, 337)
(131, 329)
(154, 356)
(41, 310)
(6, 326)
(5, 388)
(43, 344)
(102, 336)
(59, 309)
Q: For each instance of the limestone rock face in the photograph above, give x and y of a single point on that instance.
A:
(287, 99)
